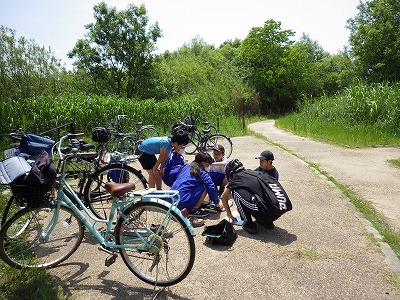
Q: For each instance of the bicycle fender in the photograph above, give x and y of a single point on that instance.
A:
(175, 209)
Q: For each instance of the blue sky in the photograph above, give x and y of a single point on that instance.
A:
(59, 24)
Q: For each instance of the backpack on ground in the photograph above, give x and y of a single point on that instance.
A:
(222, 233)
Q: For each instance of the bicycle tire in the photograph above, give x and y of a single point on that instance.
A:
(13, 206)
(175, 240)
(128, 145)
(97, 198)
(194, 142)
(147, 132)
(221, 139)
(21, 243)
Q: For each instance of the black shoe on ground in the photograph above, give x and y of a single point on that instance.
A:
(269, 225)
(196, 222)
(250, 227)
(198, 213)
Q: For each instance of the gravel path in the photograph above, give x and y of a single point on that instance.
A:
(321, 249)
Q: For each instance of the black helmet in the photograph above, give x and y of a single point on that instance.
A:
(233, 167)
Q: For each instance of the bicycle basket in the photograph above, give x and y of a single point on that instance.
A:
(101, 135)
(32, 195)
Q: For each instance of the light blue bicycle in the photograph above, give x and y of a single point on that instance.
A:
(153, 237)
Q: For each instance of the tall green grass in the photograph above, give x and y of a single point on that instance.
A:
(43, 113)
(362, 115)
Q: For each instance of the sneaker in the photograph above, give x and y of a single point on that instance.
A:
(198, 213)
(250, 227)
(205, 204)
(196, 222)
(269, 225)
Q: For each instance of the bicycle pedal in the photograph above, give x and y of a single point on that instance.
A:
(110, 259)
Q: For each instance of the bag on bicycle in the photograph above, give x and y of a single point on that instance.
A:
(34, 188)
(222, 233)
(101, 135)
(32, 144)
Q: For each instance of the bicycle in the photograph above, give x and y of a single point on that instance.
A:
(87, 176)
(204, 141)
(118, 141)
(153, 237)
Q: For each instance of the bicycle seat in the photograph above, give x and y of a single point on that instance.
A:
(119, 189)
(205, 131)
(88, 156)
(139, 123)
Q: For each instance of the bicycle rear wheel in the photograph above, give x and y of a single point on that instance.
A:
(171, 256)
(97, 198)
(194, 142)
(147, 132)
(22, 243)
(220, 139)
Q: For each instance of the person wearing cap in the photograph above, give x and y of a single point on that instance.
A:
(248, 189)
(217, 168)
(266, 158)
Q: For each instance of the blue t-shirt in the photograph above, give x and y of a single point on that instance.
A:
(153, 145)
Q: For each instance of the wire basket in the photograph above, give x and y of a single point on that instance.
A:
(33, 195)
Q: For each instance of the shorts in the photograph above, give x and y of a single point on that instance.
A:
(148, 161)
(217, 178)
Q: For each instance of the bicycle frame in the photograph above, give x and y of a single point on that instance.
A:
(105, 238)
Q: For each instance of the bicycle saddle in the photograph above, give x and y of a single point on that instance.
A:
(119, 189)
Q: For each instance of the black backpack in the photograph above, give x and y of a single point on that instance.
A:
(101, 135)
(222, 233)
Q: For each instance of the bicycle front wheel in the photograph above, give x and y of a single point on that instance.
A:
(220, 139)
(25, 243)
(170, 258)
(13, 205)
(97, 198)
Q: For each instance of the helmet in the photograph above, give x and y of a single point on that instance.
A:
(233, 167)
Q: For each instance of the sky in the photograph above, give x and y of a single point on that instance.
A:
(58, 24)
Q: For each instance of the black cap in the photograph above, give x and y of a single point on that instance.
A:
(219, 148)
(266, 155)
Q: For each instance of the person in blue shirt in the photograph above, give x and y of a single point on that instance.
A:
(160, 145)
(172, 166)
(193, 184)
(266, 158)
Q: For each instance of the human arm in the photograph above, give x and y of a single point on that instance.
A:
(224, 199)
(160, 161)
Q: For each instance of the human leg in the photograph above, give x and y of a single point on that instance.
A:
(246, 206)
(148, 161)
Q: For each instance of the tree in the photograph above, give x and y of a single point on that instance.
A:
(265, 54)
(116, 51)
(375, 39)
(26, 69)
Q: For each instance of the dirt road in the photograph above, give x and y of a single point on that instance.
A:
(319, 250)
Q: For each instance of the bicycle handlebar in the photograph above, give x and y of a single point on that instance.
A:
(69, 136)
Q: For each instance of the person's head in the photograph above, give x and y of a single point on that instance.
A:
(266, 158)
(202, 160)
(233, 167)
(179, 140)
(218, 152)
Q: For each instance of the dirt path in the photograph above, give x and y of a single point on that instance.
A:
(319, 250)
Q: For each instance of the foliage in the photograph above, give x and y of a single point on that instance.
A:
(199, 70)
(265, 54)
(26, 70)
(116, 51)
(43, 113)
(361, 115)
(375, 39)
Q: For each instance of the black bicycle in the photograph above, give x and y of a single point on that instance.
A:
(204, 140)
